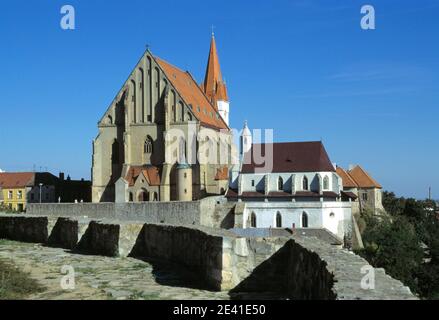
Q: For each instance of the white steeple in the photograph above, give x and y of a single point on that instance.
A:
(246, 140)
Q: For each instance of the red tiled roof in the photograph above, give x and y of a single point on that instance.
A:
(192, 95)
(17, 179)
(363, 179)
(348, 182)
(291, 157)
(151, 174)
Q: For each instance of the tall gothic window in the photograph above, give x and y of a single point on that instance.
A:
(280, 184)
(305, 185)
(115, 152)
(180, 112)
(133, 100)
(326, 183)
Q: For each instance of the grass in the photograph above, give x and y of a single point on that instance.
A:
(15, 284)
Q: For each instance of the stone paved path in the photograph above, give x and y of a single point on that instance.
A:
(98, 277)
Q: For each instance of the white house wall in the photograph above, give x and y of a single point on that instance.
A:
(319, 215)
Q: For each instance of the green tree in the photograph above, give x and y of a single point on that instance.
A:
(393, 205)
(395, 246)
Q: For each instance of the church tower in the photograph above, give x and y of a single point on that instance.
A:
(214, 87)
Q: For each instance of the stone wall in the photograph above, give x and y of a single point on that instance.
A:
(182, 213)
(295, 267)
(212, 212)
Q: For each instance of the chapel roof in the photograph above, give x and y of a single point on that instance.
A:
(290, 157)
(151, 174)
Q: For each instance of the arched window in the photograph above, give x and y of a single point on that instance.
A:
(133, 100)
(188, 117)
(305, 185)
(280, 184)
(304, 220)
(278, 220)
(173, 99)
(253, 220)
(131, 197)
(326, 183)
(141, 95)
(109, 119)
(148, 145)
(180, 112)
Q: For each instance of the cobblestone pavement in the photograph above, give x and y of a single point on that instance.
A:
(98, 277)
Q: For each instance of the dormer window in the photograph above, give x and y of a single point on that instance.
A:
(305, 184)
(280, 184)
(326, 183)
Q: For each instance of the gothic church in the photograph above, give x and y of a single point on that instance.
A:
(131, 154)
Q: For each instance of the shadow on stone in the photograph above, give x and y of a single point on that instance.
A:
(99, 239)
(170, 270)
(64, 234)
(267, 281)
(25, 229)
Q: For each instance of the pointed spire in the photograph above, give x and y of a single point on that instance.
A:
(214, 86)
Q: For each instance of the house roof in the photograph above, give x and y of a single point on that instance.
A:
(290, 157)
(363, 179)
(348, 182)
(151, 174)
(17, 179)
(26, 179)
(192, 94)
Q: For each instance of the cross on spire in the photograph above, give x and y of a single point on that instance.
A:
(213, 33)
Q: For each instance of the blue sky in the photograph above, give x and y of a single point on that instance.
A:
(304, 68)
